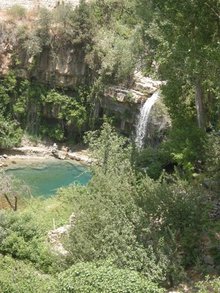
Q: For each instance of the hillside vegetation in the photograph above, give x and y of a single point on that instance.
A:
(149, 219)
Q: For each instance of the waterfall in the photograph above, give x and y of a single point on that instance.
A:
(141, 128)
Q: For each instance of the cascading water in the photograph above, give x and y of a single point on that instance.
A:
(141, 128)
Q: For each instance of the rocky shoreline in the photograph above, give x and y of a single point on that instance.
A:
(43, 152)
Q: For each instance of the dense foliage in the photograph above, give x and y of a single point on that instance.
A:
(22, 239)
(91, 277)
(145, 221)
(183, 40)
(39, 111)
(122, 217)
(106, 39)
(19, 277)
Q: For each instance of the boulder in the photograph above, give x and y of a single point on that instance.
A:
(61, 155)
(80, 157)
(55, 236)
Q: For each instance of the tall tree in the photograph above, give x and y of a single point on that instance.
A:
(186, 39)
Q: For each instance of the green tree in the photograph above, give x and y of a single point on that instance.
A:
(7, 93)
(187, 43)
(10, 133)
(13, 191)
(69, 113)
(110, 224)
(183, 39)
(213, 160)
(74, 26)
(179, 214)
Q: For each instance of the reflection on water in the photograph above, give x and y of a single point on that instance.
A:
(45, 179)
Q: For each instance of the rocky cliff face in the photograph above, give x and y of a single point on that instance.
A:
(60, 67)
(65, 67)
(7, 44)
(125, 105)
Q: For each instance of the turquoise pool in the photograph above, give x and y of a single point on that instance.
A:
(44, 179)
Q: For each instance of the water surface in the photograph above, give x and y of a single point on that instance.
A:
(45, 178)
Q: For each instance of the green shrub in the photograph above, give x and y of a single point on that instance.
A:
(19, 277)
(23, 239)
(92, 278)
(209, 285)
(17, 11)
(115, 52)
(108, 228)
(14, 193)
(69, 114)
(109, 223)
(185, 144)
(10, 133)
(152, 160)
(179, 213)
(213, 160)
(54, 132)
(33, 44)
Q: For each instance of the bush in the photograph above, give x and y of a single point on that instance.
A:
(93, 278)
(209, 285)
(17, 11)
(13, 192)
(10, 133)
(186, 144)
(54, 132)
(23, 239)
(67, 111)
(213, 160)
(109, 223)
(106, 229)
(178, 213)
(19, 277)
(152, 160)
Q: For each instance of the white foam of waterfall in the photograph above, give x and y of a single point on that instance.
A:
(141, 128)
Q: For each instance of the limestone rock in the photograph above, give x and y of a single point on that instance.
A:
(123, 95)
(80, 157)
(159, 123)
(146, 85)
(61, 155)
(55, 236)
